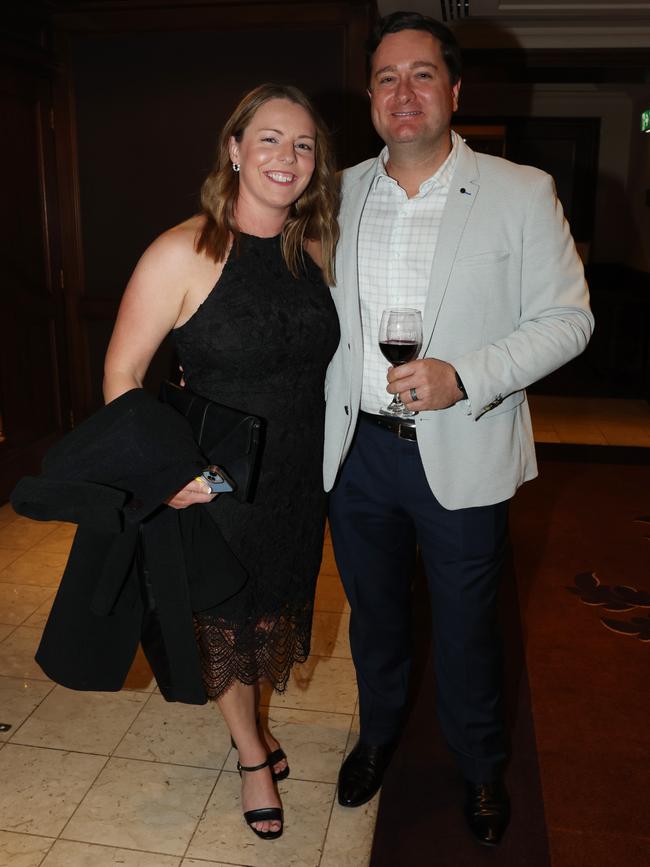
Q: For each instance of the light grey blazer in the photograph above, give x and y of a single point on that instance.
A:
(507, 304)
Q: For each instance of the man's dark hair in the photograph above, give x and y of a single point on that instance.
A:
(397, 21)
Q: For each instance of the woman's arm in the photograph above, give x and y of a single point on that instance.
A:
(150, 307)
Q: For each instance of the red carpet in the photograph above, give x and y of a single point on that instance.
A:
(578, 697)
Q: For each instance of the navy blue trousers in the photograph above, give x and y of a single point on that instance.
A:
(381, 510)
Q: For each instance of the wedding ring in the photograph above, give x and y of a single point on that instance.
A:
(414, 394)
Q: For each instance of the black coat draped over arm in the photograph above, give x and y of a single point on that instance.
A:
(137, 568)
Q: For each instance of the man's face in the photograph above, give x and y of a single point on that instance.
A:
(411, 97)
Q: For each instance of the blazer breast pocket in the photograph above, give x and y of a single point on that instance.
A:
(482, 260)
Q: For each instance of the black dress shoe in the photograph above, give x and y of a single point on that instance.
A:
(487, 811)
(362, 772)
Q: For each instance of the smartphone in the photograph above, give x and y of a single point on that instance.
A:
(218, 480)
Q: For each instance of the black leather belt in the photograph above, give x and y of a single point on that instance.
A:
(403, 428)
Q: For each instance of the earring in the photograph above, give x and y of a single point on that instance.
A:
(235, 167)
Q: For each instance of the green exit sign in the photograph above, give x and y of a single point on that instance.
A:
(645, 120)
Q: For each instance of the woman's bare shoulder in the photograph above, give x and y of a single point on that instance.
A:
(172, 255)
(178, 244)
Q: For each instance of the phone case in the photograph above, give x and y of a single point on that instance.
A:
(217, 480)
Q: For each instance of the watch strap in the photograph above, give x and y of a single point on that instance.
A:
(459, 384)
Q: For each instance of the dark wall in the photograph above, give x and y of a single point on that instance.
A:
(34, 406)
(144, 94)
(149, 107)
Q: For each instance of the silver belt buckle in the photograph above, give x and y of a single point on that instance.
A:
(405, 427)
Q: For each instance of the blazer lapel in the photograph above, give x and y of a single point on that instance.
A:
(457, 210)
(347, 264)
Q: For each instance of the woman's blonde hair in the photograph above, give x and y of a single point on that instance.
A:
(312, 216)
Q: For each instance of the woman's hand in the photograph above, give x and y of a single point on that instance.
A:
(196, 491)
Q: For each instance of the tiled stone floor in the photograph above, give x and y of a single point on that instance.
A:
(98, 779)
(91, 780)
(593, 421)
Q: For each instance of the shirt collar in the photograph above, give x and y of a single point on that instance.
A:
(441, 177)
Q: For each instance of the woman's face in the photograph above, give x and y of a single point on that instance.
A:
(276, 155)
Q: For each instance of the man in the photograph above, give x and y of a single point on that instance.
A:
(480, 245)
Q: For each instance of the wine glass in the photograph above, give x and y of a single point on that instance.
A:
(400, 339)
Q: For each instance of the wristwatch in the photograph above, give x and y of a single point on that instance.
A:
(459, 384)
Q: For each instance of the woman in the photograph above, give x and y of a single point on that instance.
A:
(255, 328)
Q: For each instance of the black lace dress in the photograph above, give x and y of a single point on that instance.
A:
(261, 342)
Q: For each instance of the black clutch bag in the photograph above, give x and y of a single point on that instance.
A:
(228, 437)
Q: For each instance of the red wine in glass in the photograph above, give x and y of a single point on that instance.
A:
(399, 351)
(400, 339)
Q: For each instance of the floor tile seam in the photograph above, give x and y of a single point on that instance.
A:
(7, 548)
(34, 544)
(308, 709)
(206, 861)
(56, 525)
(81, 800)
(15, 627)
(637, 421)
(32, 834)
(333, 805)
(44, 679)
(49, 849)
(14, 583)
(323, 841)
(148, 691)
(217, 769)
(6, 577)
(327, 828)
(210, 861)
(33, 710)
(132, 723)
(568, 440)
(23, 583)
(202, 814)
(59, 750)
(21, 623)
(114, 846)
(27, 617)
(38, 629)
(293, 777)
(624, 432)
(228, 754)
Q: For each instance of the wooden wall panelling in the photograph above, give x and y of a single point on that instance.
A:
(34, 401)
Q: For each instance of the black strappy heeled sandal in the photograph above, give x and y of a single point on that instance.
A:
(263, 814)
(272, 758)
(275, 757)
